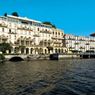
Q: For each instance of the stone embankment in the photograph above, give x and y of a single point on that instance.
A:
(51, 56)
(37, 57)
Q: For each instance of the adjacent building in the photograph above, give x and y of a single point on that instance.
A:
(79, 43)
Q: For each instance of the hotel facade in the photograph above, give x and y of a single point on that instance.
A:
(27, 36)
(79, 43)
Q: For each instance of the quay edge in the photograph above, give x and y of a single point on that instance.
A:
(63, 56)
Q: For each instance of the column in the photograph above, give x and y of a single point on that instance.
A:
(24, 50)
(13, 50)
(19, 51)
(33, 52)
(29, 50)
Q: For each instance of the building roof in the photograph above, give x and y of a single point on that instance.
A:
(24, 18)
(27, 19)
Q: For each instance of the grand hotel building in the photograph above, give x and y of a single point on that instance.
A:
(28, 36)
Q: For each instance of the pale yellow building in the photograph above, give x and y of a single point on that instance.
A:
(28, 36)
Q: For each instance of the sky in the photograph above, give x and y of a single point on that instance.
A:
(75, 17)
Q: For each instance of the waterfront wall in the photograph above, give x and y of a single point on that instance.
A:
(69, 56)
(47, 57)
(63, 56)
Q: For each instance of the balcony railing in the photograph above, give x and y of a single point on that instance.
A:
(82, 47)
(87, 44)
(36, 35)
(3, 25)
(76, 43)
(45, 32)
(12, 33)
(58, 38)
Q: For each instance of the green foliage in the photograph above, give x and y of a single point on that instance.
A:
(53, 26)
(15, 14)
(49, 23)
(4, 47)
(2, 57)
(5, 14)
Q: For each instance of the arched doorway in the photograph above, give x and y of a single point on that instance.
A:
(36, 50)
(10, 51)
(22, 50)
(59, 51)
(16, 49)
(27, 50)
(55, 50)
(31, 50)
(40, 50)
(45, 51)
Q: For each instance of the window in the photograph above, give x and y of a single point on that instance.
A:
(29, 32)
(9, 30)
(9, 24)
(56, 33)
(38, 29)
(53, 32)
(2, 29)
(45, 29)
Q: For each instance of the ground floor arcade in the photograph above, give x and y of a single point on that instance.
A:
(36, 50)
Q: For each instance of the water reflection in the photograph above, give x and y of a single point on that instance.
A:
(63, 77)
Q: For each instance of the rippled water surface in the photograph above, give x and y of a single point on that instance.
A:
(63, 77)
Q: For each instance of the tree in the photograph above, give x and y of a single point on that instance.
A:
(15, 14)
(4, 47)
(5, 14)
(53, 26)
(49, 23)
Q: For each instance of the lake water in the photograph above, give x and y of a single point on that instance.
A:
(44, 77)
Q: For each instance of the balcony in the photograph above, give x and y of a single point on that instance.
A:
(55, 42)
(45, 32)
(71, 48)
(76, 43)
(28, 29)
(3, 38)
(3, 25)
(82, 47)
(92, 40)
(24, 27)
(21, 38)
(17, 43)
(81, 40)
(45, 43)
(70, 38)
(87, 44)
(36, 35)
(92, 47)
(56, 37)
(12, 32)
